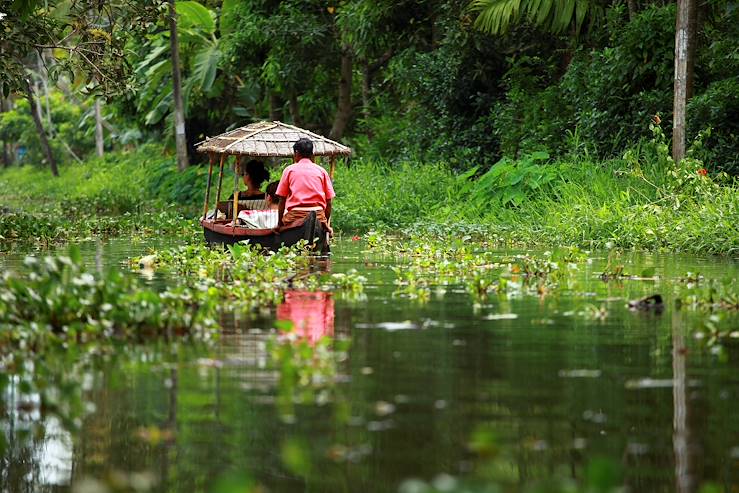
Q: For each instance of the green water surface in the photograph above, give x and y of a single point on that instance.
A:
(510, 392)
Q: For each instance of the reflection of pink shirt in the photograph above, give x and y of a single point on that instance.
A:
(311, 312)
(305, 184)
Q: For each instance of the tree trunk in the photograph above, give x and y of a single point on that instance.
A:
(294, 109)
(633, 9)
(368, 72)
(6, 155)
(344, 106)
(40, 128)
(684, 62)
(275, 107)
(366, 88)
(99, 141)
(44, 84)
(179, 110)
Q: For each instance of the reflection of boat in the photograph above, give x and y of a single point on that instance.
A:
(312, 313)
(261, 140)
(218, 231)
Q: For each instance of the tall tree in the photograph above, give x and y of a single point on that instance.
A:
(344, 105)
(99, 141)
(179, 109)
(6, 154)
(36, 115)
(633, 9)
(87, 46)
(685, 31)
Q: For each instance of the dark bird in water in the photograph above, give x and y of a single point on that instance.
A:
(649, 303)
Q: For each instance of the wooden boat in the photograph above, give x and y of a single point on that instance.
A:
(310, 230)
(272, 140)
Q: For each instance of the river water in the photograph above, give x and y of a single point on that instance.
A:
(445, 393)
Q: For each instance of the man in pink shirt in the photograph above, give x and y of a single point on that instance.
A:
(304, 187)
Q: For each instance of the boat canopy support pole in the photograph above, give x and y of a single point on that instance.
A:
(332, 162)
(220, 181)
(207, 190)
(236, 192)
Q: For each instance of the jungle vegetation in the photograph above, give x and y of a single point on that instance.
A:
(493, 112)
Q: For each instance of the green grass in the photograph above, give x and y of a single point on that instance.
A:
(621, 203)
(642, 201)
(134, 192)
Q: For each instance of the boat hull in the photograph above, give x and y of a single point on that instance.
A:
(311, 230)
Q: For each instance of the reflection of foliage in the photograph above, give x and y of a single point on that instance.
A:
(308, 372)
(493, 473)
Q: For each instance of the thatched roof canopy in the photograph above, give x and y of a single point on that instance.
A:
(269, 139)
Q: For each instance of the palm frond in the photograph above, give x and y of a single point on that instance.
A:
(497, 16)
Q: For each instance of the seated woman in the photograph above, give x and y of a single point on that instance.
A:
(254, 174)
(265, 218)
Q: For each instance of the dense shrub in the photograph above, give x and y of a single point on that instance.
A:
(640, 201)
(605, 98)
(717, 111)
(371, 193)
(71, 129)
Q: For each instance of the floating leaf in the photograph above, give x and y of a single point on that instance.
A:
(648, 272)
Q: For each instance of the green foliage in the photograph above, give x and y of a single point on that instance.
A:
(606, 97)
(496, 16)
(510, 183)
(374, 194)
(95, 40)
(308, 371)
(444, 107)
(119, 193)
(61, 302)
(641, 201)
(69, 127)
(200, 61)
(716, 113)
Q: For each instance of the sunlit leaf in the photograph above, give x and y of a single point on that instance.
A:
(205, 67)
(194, 14)
(228, 16)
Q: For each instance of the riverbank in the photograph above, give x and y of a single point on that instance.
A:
(639, 202)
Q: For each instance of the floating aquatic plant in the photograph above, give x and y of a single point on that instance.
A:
(59, 301)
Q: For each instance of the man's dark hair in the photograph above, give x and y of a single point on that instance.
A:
(272, 191)
(304, 147)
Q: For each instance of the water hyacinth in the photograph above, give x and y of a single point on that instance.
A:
(249, 275)
(60, 301)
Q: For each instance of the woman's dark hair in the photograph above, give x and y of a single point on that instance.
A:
(272, 192)
(304, 147)
(257, 172)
